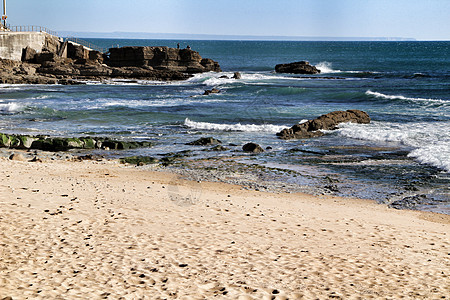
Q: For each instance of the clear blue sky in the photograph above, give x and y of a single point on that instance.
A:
(420, 19)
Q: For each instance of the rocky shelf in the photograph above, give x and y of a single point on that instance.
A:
(145, 63)
(63, 144)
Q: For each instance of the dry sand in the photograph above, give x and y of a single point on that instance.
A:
(95, 230)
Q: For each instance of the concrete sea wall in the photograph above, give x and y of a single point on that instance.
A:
(12, 43)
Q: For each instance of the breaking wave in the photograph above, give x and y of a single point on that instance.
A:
(400, 97)
(233, 127)
(325, 67)
(431, 141)
(9, 108)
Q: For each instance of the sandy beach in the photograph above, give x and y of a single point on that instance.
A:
(103, 230)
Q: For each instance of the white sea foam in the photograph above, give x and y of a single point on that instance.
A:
(10, 107)
(213, 79)
(159, 102)
(400, 97)
(430, 140)
(325, 67)
(233, 127)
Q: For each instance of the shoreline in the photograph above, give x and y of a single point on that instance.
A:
(107, 230)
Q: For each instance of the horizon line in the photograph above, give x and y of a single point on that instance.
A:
(196, 36)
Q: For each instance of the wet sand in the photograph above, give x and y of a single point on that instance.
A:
(101, 230)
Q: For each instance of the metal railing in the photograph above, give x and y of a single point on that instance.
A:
(84, 43)
(31, 28)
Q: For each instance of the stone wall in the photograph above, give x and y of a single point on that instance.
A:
(12, 43)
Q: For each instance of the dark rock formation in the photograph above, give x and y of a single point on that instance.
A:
(28, 54)
(161, 58)
(253, 148)
(206, 141)
(146, 63)
(213, 91)
(237, 75)
(219, 148)
(139, 160)
(329, 121)
(300, 67)
(410, 202)
(63, 144)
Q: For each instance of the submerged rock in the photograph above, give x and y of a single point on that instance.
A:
(219, 148)
(329, 121)
(410, 202)
(205, 141)
(213, 91)
(300, 67)
(253, 148)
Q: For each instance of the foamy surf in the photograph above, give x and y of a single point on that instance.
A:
(325, 67)
(10, 108)
(430, 140)
(233, 127)
(401, 97)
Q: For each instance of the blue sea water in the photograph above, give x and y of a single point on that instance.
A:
(403, 86)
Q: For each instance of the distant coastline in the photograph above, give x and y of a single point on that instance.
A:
(183, 36)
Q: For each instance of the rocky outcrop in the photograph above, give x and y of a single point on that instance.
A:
(212, 91)
(205, 141)
(252, 148)
(63, 144)
(329, 121)
(300, 67)
(145, 63)
(161, 58)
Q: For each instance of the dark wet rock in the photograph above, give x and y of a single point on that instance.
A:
(213, 91)
(219, 148)
(410, 202)
(306, 151)
(205, 141)
(300, 67)
(332, 188)
(63, 144)
(224, 77)
(329, 121)
(253, 148)
(35, 159)
(237, 75)
(139, 160)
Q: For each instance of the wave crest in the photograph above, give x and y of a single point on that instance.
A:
(233, 127)
(10, 108)
(431, 142)
(400, 97)
(325, 67)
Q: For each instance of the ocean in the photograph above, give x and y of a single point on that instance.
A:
(403, 154)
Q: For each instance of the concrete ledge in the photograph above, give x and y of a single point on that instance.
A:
(12, 43)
